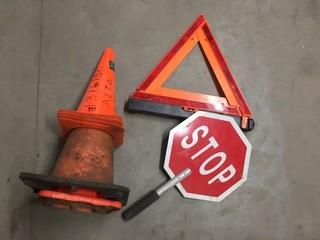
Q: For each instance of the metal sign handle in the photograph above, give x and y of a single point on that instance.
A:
(153, 196)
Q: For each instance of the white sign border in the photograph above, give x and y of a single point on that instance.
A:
(246, 161)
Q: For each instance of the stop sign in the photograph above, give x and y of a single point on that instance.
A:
(215, 149)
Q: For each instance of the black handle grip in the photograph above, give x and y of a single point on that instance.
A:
(140, 205)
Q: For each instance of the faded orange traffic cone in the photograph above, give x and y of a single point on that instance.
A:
(82, 178)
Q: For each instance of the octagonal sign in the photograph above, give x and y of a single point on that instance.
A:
(215, 149)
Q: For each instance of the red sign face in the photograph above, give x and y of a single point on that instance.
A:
(215, 149)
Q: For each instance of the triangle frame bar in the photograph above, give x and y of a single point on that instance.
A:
(151, 96)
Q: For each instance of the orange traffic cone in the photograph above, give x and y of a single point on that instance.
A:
(82, 178)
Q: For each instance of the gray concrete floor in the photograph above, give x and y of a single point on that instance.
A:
(48, 50)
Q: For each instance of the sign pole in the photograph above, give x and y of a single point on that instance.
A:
(154, 195)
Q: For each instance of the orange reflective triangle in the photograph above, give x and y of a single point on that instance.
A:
(152, 96)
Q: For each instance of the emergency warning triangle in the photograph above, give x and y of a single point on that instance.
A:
(152, 96)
